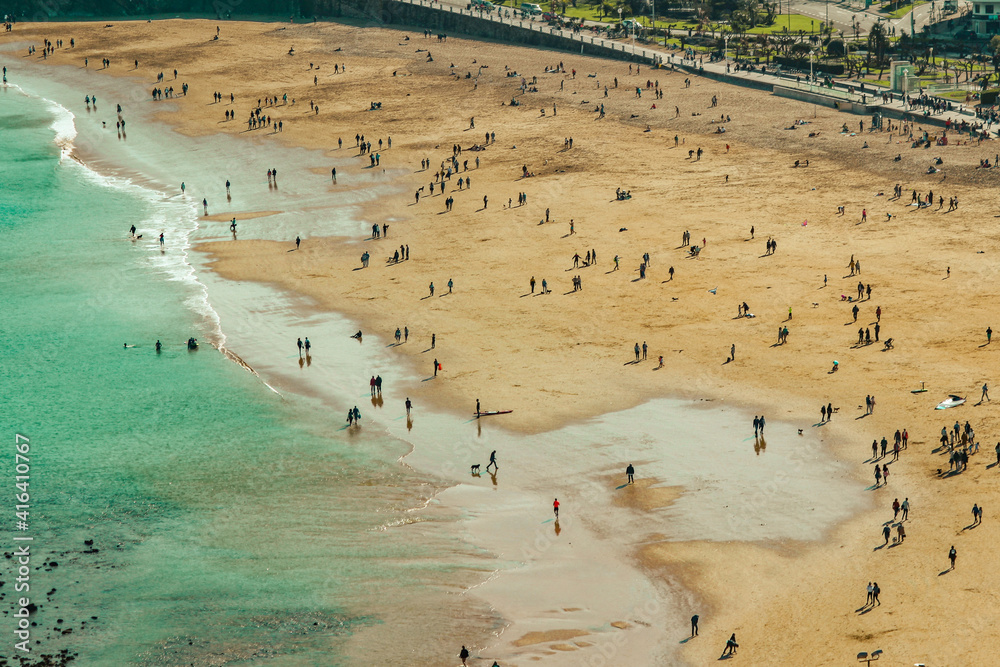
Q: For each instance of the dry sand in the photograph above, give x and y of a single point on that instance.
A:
(564, 356)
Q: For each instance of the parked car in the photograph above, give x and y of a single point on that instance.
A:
(531, 8)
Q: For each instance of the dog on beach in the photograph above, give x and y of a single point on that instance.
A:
(475, 469)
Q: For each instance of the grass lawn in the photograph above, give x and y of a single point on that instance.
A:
(676, 43)
(906, 9)
(795, 21)
(592, 13)
(958, 95)
(877, 82)
(589, 13)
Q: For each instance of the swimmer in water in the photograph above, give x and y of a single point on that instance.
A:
(158, 346)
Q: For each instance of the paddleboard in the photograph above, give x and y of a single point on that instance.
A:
(493, 412)
(950, 402)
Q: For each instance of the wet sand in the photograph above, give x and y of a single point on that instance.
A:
(562, 358)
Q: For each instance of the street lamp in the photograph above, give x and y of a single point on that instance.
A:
(865, 657)
(932, 56)
(725, 55)
(812, 53)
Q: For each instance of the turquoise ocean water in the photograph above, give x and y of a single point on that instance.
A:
(231, 524)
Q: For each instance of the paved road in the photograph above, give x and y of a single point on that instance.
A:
(842, 14)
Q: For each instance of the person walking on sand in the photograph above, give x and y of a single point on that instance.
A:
(637, 352)
(436, 366)
(756, 426)
(299, 343)
(464, 655)
(409, 405)
(298, 242)
(878, 476)
(493, 461)
(629, 472)
(555, 507)
(986, 393)
(952, 555)
(886, 532)
(732, 352)
(875, 593)
(731, 646)
(432, 289)
(761, 426)
(871, 594)
(694, 625)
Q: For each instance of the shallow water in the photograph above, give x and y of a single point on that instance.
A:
(230, 521)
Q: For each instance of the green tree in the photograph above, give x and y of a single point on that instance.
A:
(770, 13)
(878, 44)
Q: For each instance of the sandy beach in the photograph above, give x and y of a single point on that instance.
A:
(565, 359)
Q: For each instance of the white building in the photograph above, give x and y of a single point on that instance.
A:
(984, 18)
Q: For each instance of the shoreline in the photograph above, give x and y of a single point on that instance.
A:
(87, 161)
(782, 385)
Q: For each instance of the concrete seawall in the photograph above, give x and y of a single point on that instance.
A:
(448, 19)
